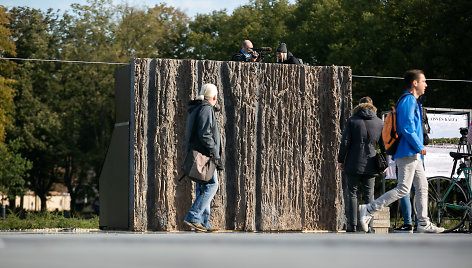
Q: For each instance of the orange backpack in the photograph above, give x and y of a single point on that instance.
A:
(390, 136)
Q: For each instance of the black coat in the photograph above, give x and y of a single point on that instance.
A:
(291, 59)
(201, 133)
(356, 151)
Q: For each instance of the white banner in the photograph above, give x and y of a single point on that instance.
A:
(437, 161)
(446, 125)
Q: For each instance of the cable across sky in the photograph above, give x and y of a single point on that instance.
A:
(121, 63)
(66, 61)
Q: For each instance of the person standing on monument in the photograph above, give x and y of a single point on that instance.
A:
(284, 56)
(202, 135)
(246, 53)
(408, 157)
(356, 155)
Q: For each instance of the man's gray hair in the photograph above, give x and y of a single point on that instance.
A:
(208, 91)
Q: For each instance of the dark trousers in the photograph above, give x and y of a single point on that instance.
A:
(353, 182)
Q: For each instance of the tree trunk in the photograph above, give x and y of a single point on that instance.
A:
(43, 199)
(12, 203)
(68, 181)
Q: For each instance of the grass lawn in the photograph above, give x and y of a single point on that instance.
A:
(43, 220)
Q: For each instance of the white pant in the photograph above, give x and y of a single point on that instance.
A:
(410, 171)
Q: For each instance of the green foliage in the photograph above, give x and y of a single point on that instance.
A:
(445, 141)
(62, 114)
(157, 32)
(86, 99)
(11, 176)
(206, 37)
(386, 38)
(37, 125)
(46, 220)
(6, 106)
(218, 36)
(7, 48)
(14, 167)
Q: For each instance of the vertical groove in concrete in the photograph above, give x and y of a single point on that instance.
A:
(152, 104)
(140, 176)
(280, 126)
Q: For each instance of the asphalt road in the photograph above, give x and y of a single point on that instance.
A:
(238, 250)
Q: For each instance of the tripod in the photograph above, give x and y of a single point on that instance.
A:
(463, 147)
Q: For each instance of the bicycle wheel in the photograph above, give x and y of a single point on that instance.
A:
(446, 216)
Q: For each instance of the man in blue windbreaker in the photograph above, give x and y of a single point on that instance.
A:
(408, 157)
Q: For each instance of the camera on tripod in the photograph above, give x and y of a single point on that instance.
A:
(464, 131)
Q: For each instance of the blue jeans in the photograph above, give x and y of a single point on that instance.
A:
(200, 210)
(405, 204)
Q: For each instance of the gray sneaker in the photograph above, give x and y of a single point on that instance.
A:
(429, 227)
(364, 217)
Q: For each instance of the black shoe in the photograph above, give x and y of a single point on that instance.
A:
(405, 228)
(351, 229)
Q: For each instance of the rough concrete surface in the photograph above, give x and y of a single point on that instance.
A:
(280, 128)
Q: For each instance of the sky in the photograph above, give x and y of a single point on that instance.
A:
(190, 7)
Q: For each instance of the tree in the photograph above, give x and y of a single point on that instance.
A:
(37, 125)
(86, 99)
(217, 36)
(7, 48)
(11, 174)
(442, 48)
(12, 183)
(157, 32)
(206, 37)
(386, 38)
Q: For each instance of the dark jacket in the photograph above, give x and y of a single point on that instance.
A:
(356, 151)
(201, 133)
(291, 59)
(240, 57)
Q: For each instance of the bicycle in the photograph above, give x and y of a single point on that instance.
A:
(450, 199)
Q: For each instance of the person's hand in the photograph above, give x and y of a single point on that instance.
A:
(423, 152)
(254, 55)
(341, 166)
(384, 171)
(218, 163)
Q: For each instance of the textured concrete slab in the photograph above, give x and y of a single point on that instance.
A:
(280, 124)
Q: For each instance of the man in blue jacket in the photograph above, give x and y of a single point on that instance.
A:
(408, 157)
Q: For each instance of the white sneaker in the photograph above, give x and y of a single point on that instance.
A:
(429, 227)
(365, 217)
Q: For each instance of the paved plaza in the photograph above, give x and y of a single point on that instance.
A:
(234, 249)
